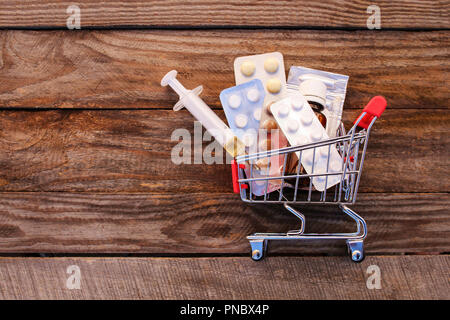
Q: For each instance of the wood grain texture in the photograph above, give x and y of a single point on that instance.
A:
(402, 277)
(130, 151)
(199, 223)
(326, 13)
(123, 69)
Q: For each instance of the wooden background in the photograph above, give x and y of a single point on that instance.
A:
(85, 170)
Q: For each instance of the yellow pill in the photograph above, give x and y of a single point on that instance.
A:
(273, 85)
(247, 68)
(271, 65)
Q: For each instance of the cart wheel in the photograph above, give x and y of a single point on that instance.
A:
(259, 248)
(356, 250)
(256, 255)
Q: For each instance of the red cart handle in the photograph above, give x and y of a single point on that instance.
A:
(374, 108)
(235, 176)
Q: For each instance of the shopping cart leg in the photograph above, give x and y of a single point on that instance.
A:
(356, 249)
(259, 248)
(354, 240)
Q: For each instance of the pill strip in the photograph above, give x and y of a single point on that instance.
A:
(300, 125)
(267, 67)
(243, 105)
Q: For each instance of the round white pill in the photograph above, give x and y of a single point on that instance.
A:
(271, 65)
(320, 179)
(283, 111)
(335, 166)
(253, 95)
(234, 101)
(249, 139)
(306, 120)
(307, 159)
(316, 135)
(247, 68)
(257, 114)
(273, 85)
(292, 125)
(323, 152)
(301, 141)
(297, 104)
(241, 120)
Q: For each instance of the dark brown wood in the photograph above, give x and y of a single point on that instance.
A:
(327, 13)
(402, 277)
(123, 69)
(205, 223)
(130, 151)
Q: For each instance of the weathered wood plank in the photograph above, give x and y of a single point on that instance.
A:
(123, 69)
(202, 223)
(402, 277)
(327, 13)
(130, 151)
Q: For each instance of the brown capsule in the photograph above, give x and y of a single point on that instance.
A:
(270, 124)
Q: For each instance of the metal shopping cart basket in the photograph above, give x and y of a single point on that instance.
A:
(297, 187)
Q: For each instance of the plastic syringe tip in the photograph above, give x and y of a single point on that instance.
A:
(171, 79)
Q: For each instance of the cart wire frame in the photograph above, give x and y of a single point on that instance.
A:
(352, 149)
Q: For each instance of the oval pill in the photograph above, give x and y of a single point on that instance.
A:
(247, 68)
(241, 120)
(271, 65)
(273, 85)
(234, 101)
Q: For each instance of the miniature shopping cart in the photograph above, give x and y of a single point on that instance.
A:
(297, 187)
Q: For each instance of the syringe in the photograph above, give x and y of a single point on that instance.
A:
(200, 110)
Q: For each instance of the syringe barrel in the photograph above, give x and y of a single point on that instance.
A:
(212, 123)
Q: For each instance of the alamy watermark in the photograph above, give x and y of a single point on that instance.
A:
(74, 280)
(374, 279)
(190, 148)
(374, 20)
(74, 19)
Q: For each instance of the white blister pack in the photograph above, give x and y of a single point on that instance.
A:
(267, 67)
(302, 79)
(243, 105)
(300, 126)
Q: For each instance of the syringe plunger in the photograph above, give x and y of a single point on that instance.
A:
(200, 110)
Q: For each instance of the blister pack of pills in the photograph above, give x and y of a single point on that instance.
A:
(267, 67)
(243, 105)
(327, 88)
(300, 125)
